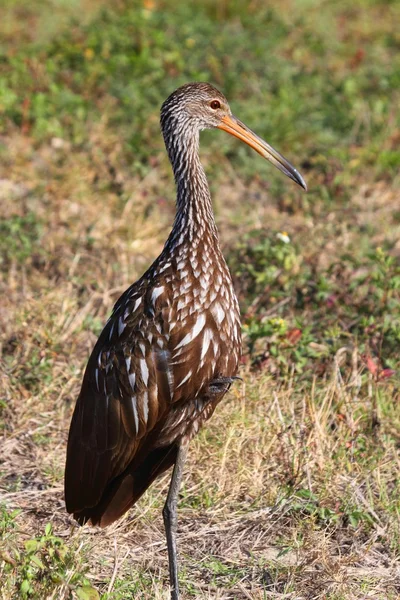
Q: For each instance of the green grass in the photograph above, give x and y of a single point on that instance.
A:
(292, 488)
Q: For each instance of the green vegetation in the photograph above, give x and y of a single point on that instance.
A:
(44, 563)
(293, 488)
(354, 302)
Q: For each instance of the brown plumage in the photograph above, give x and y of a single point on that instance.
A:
(171, 348)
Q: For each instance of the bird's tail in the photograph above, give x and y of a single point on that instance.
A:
(128, 487)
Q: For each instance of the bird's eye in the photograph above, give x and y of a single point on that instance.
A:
(215, 104)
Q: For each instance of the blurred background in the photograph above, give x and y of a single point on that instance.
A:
(86, 202)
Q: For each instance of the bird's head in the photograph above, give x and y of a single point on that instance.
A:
(197, 106)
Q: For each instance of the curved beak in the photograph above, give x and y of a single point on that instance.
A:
(238, 129)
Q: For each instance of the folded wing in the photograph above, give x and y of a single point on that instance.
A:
(125, 392)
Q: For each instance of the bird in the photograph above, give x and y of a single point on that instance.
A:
(171, 348)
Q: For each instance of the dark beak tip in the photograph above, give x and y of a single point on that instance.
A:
(301, 181)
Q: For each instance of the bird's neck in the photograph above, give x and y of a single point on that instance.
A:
(194, 218)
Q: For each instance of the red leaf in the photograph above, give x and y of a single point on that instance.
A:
(371, 365)
(386, 373)
(331, 300)
(357, 58)
(293, 335)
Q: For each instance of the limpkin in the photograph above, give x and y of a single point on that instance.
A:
(171, 348)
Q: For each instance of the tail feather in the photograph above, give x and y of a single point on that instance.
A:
(127, 488)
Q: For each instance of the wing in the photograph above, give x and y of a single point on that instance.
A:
(125, 392)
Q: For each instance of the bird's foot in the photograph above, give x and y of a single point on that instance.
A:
(221, 384)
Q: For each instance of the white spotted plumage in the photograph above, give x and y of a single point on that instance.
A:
(171, 348)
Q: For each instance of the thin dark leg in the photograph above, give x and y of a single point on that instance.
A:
(170, 518)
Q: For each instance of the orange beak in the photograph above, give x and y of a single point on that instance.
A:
(233, 126)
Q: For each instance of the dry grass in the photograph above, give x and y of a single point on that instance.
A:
(289, 493)
(292, 490)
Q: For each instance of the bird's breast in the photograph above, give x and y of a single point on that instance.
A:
(204, 334)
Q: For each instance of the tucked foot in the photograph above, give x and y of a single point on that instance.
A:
(221, 384)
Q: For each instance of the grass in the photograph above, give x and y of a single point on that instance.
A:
(291, 491)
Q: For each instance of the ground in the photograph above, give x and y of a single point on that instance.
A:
(292, 489)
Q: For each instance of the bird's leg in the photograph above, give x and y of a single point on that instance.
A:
(170, 518)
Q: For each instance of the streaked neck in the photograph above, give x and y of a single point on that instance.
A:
(194, 217)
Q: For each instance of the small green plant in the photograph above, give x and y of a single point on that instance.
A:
(264, 264)
(19, 237)
(343, 514)
(307, 503)
(41, 565)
